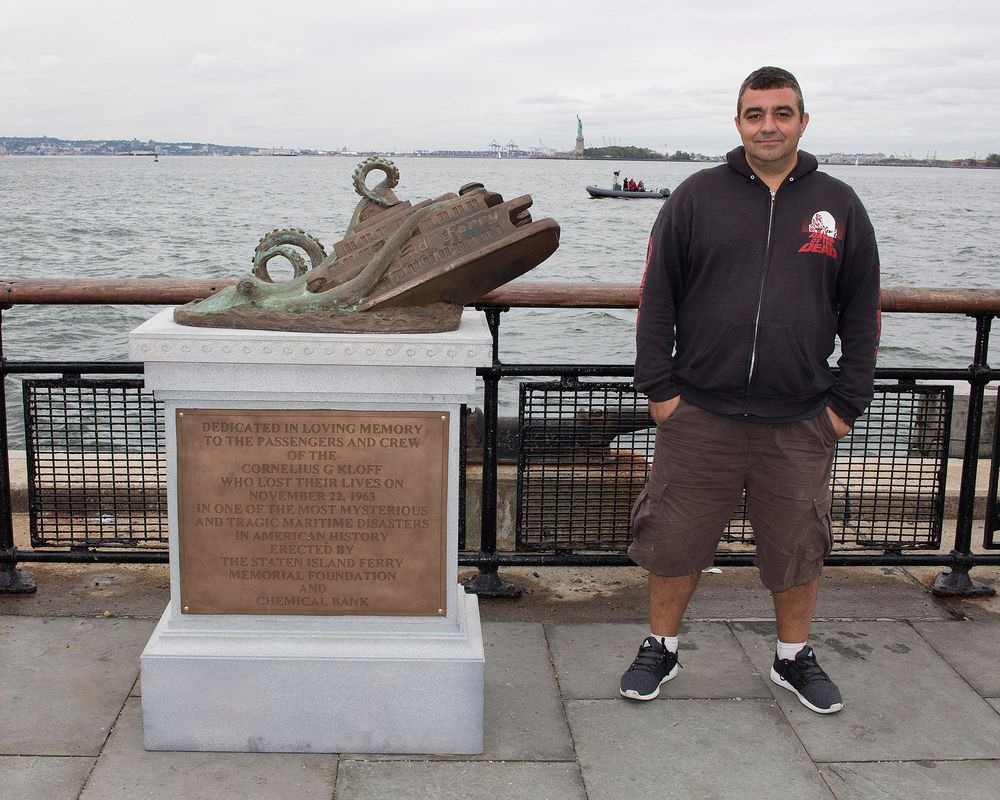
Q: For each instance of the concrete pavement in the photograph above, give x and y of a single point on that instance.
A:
(920, 677)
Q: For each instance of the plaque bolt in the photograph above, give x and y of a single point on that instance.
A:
(188, 608)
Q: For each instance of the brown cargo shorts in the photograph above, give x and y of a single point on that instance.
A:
(701, 464)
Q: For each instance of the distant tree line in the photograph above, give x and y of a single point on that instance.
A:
(630, 153)
(47, 145)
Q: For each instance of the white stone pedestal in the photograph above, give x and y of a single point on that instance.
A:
(330, 681)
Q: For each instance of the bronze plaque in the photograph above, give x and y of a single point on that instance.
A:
(322, 512)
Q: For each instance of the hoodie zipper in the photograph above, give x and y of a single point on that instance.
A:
(760, 303)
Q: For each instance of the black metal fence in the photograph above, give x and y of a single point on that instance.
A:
(96, 465)
(586, 447)
(97, 485)
(991, 540)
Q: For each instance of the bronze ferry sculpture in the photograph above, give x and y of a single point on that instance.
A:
(401, 267)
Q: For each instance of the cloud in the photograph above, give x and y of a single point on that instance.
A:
(458, 74)
(222, 66)
(549, 99)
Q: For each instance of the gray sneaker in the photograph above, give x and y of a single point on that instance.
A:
(654, 666)
(807, 681)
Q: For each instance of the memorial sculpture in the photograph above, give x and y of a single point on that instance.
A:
(401, 267)
(313, 484)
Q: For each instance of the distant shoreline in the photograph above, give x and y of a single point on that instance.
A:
(45, 146)
(716, 160)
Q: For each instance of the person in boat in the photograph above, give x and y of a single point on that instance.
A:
(615, 185)
(731, 353)
(640, 187)
(632, 185)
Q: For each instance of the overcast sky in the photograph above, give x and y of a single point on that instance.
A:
(905, 78)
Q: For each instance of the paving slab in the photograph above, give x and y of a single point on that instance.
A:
(721, 749)
(590, 658)
(64, 681)
(92, 590)
(875, 593)
(523, 717)
(913, 780)
(976, 608)
(902, 701)
(43, 777)
(995, 702)
(601, 594)
(125, 771)
(458, 780)
(973, 649)
(845, 593)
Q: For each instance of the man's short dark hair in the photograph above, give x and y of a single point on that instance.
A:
(770, 78)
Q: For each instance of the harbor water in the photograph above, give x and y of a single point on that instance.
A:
(118, 218)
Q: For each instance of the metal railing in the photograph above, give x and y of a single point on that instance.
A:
(577, 472)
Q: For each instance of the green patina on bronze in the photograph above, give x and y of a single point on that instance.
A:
(399, 267)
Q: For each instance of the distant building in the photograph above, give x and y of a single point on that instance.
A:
(851, 158)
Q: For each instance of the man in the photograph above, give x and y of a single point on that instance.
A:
(754, 268)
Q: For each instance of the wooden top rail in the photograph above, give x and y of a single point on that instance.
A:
(516, 294)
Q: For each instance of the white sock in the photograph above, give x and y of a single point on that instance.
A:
(789, 651)
(670, 642)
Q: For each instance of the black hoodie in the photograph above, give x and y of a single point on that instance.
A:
(745, 292)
